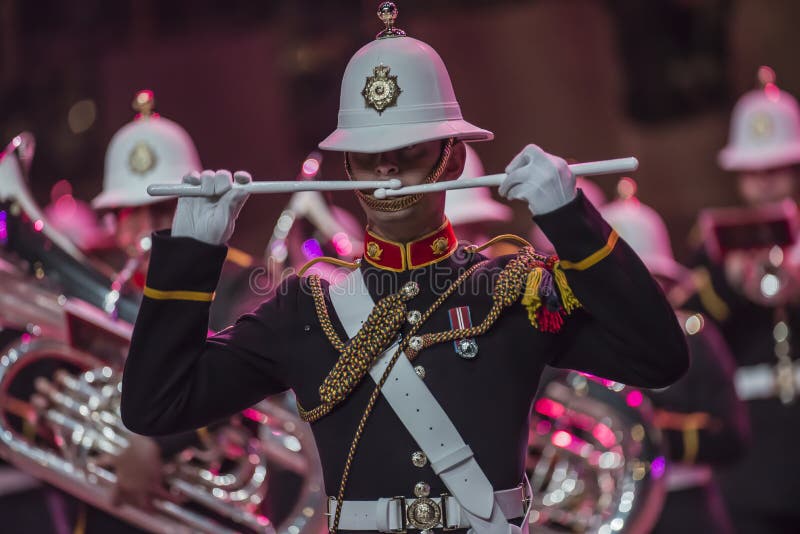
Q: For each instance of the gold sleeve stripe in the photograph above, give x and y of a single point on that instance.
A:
(691, 445)
(239, 257)
(709, 298)
(198, 296)
(595, 258)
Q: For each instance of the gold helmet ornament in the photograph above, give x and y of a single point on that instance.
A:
(765, 129)
(148, 150)
(396, 92)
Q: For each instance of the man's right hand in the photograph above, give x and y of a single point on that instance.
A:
(211, 218)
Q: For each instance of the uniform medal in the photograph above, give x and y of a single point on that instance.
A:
(460, 319)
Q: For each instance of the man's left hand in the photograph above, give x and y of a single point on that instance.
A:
(542, 180)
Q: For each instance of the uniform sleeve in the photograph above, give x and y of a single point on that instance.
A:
(701, 417)
(175, 378)
(626, 330)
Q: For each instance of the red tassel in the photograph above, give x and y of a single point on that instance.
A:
(550, 321)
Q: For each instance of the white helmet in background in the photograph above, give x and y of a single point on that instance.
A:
(765, 129)
(396, 92)
(474, 204)
(149, 150)
(644, 230)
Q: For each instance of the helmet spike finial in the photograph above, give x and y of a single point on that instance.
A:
(765, 76)
(387, 12)
(143, 103)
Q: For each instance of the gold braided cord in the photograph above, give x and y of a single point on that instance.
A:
(401, 203)
(360, 352)
(509, 286)
(507, 290)
(375, 392)
(322, 313)
(325, 408)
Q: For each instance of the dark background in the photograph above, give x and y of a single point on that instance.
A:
(256, 83)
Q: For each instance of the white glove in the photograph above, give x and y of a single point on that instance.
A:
(542, 180)
(210, 218)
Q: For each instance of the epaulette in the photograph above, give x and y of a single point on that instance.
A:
(327, 259)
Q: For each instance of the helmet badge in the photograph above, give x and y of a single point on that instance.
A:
(142, 158)
(761, 125)
(381, 90)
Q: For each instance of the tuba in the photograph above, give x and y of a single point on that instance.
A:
(595, 460)
(65, 331)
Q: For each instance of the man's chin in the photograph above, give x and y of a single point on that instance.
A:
(390, 211)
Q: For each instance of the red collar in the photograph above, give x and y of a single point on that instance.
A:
(428, 249)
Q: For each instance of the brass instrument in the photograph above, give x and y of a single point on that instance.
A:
(60, 385)
(595, 460)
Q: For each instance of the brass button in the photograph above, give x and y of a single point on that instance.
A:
(422, 489)
(420, 371)
(410, 289)
(414, 316)
(419, 459)
(416, 343)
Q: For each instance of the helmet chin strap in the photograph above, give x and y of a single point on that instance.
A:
(401, 203)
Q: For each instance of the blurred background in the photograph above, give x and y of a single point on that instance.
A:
(256, 83)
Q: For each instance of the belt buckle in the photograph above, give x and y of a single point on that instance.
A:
(401, 502)
(445, 524)
(526, 497)
(424, 513)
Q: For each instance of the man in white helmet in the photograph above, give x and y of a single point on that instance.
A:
(150, 149)
(761, 322)
(455, 341)
(702, 421)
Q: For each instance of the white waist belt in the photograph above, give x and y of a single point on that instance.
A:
(391, 514)
(759, 381)
(681, 477)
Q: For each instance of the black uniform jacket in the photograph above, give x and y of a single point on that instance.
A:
(176, 379)
(771, 464)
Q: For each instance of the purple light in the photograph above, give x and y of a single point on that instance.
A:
(658, 466)
(312, 249)
(3, 227)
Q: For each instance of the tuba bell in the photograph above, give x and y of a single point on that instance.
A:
(595, 460)
(66, 329)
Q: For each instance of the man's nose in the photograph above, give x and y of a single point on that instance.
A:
(386, 167)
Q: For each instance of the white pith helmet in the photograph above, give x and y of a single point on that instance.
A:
(765, 129)
(646, 233)
(149, 150)
(475, 204)
(396, 92)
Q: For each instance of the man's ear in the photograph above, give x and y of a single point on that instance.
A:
(455, 165)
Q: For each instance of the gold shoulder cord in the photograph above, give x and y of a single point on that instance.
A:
(352, 366)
